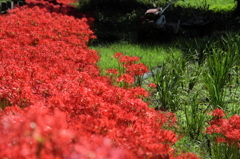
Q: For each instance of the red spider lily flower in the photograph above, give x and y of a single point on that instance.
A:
(235, 121)
(128, 60)
(137, 69)
(126, 78)
(233, 130)
(152, 85)
(118, 55)
(99, 147)
(216, 125)
(229, 129)
(112, 71)
(220, 140)
(139, 92)
(218, 113)
(186, 156)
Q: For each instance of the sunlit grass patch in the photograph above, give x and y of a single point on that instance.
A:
(215, 5)
(150, 55)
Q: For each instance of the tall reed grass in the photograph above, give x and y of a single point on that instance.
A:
(222, 57)
(168, 77)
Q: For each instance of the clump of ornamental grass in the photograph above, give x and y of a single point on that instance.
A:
(168, 77)
(221, 59)
(195, 118)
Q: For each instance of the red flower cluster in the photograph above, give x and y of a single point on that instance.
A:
(54, 102)
(112, 71)
(129, 70)
(38, 132)
(152, 85)
(217, 113)
(228, 130)
(130, 64)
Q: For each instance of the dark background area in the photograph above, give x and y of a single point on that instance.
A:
(119, 20)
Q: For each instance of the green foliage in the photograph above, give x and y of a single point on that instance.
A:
(168, 78)
(195, 118)
(199, 147)
(224, 150)
(222, 58)
(215, 5)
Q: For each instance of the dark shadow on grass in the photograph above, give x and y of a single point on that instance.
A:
(117, 21)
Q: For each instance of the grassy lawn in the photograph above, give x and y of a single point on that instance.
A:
(213, 4)
(150, 55)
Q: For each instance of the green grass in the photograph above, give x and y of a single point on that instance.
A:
(215, 5)
(150, 55)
